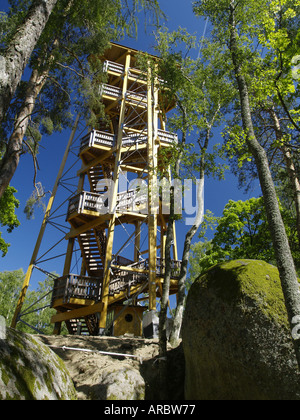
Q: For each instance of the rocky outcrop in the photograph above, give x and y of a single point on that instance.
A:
(125, 383)
(103, 374)
(29, 370)
(236, 338)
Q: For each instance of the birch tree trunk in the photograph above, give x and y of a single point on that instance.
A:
(10, 160)
(294, 181)
(177, 321)
(16, 56)
(285, 263)
(181, 296)
(291, 170)
(163, 340)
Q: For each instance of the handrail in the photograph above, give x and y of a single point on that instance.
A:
(87, 287)
(126, 201)
(76, 286)
(103, 138)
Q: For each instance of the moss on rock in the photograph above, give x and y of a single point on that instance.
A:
(29, 370)
(237, 280)
(236, 336)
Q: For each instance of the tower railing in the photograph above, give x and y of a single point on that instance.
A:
(127, 201)
(101, 138)
(73, 286)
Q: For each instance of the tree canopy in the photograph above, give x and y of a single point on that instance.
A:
(8, 218)
(242, 232)
(62, 71)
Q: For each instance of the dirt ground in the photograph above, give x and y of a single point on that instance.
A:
(86, 367)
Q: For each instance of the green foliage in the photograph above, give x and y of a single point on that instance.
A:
(202, 98)
(68, 53)
(268, 41)
(41, 315)
(10, 287)
(8, 204)
(66, 65)
(203, 256)
(242, 232)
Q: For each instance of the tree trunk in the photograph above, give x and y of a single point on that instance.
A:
(294, 181)
(177, 321)
(163, 315)
(16, 56)
(285, 263)
(10, 160)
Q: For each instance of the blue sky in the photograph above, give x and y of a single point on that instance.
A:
(23, 239)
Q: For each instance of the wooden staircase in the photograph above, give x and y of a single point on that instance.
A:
(83, 326)
(97, 173)
(93, 244)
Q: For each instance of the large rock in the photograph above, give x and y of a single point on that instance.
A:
(29, 370)
(125, 383)
(236, 337)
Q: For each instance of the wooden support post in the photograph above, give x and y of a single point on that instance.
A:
(67, 267)
(163, 243)
(77, 313)
(112, 222)
(137, 241)
(42, 230)
(68, 259)
(152, 191)
(175, 249)
(83, 268)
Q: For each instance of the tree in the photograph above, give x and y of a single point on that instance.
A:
(8, 204)
(201, 100)
(244, 21)
(273, 95)
(203, 256)
(10, 287)
(14, 58)
(64, 67)
(241, 232)
(58, 57)
(37, 311)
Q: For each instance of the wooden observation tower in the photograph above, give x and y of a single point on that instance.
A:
(118, 220)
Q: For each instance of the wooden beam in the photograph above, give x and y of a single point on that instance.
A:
(175, 249)
(96, 161)
(73, 303)
(87, 226)
(152, 217)
(68, 259)
(129, 269)
(137, 241)
(112, 222)
(77, 313)
(132, 168)
(124, 294)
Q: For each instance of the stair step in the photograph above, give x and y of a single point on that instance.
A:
(90, 251)
(89, 325)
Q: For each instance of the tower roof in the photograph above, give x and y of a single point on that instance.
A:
(117, 53)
